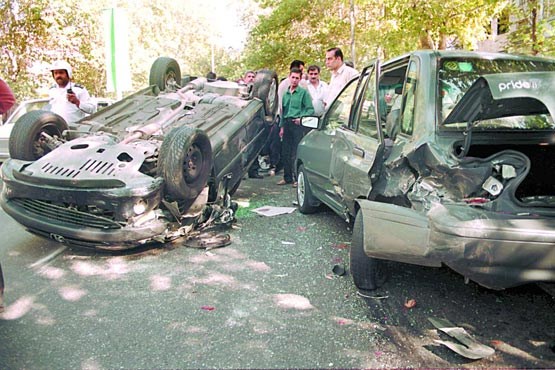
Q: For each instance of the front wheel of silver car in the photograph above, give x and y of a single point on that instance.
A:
(305, 200)
(185, 162)
(368, 273)
(165, 73)
(35, 134)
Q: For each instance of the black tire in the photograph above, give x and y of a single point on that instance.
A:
(26, 142)
(265, 88)
(306, 202)
(165, 72)
(185, 162)
(368, 273)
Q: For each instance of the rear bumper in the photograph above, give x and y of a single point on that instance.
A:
(495, 250)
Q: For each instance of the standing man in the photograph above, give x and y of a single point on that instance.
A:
(284, 85)
(69, 100)
(317, 89)
(340, 74)
(297, 103)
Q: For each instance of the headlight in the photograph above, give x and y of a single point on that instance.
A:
(140, 207)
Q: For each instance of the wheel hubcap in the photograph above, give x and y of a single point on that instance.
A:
(192, 164)
(301, 189)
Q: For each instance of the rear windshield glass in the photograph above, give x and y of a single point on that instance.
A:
(456, 75)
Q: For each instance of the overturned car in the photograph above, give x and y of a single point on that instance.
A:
(456, 170)
(142, 169)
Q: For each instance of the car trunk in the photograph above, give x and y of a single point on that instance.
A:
(521, 152)
(539, 183)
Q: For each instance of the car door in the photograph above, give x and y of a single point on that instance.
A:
(358, 144)
(315, 149)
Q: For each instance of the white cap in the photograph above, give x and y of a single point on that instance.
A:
(61, 64)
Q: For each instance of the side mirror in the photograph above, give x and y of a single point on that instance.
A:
(309, 122)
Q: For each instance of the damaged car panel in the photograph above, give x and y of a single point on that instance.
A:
(461, 167)
(142, 169)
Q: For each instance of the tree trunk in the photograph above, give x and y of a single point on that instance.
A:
(534, 30)
(426, 41)
(352, 20)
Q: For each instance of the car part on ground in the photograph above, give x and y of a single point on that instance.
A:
(143, 169)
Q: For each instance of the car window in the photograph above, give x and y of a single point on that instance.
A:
(366, 120)
(456, 75)
(338, 113)
(407, 117)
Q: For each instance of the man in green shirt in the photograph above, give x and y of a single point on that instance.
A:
(296, 103)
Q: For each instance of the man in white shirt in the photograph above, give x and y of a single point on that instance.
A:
(340, 74)
(317, 89)
(69, 100)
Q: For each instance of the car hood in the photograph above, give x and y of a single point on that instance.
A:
(504, 95)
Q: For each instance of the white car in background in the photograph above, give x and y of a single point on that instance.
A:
(27, 106)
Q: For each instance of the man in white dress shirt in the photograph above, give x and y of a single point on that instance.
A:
(317, 89)
(340, 74)
(69, 100)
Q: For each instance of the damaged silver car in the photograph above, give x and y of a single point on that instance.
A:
(455, 167)
(142, 169)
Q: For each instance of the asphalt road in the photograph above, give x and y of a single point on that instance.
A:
(267, 300)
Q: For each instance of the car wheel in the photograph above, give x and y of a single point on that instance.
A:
(26, 139)
(307, 203)
(368, 273)
(265, 88)
(185, 162)
(164, 73)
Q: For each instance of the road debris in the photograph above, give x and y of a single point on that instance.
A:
(470, 348)
(372, 296)
(410, 303)
(340, 246)
(207, 240)
(270, 211)
(339, 270)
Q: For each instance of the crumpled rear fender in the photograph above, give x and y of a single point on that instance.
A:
(396, 233)
(495, 249)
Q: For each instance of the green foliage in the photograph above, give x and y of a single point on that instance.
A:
(24, 33)
(298, 29)
(533, 34)
(75, 36)
(304, 29)
(35, 32)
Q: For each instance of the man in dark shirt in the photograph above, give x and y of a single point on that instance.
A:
(296, 103)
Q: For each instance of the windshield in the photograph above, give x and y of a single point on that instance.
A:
(456, 75)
